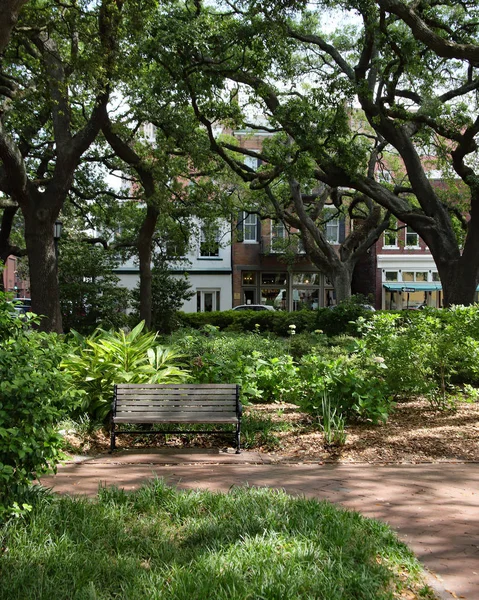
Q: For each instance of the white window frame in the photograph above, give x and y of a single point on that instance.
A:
(203, 239)
(331, 227)
(395, 233)
(410, 231)
(250, 228)
(278, 232)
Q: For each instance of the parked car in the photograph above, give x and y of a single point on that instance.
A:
(22, 305)
(363, 306)
(254, 307)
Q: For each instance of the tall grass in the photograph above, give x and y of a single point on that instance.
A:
(160, 543)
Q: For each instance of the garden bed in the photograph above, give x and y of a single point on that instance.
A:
(414, 433)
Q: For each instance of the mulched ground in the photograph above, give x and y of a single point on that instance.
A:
(414, 433)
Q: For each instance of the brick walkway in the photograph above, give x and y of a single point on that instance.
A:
(433, 507)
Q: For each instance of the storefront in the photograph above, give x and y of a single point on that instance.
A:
(286, 290)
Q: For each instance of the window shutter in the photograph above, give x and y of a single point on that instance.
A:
(342, 230)
(258, 229)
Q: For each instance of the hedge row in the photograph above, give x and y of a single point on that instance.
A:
(338, 321)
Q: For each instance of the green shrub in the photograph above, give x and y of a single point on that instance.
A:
(426, 352)
(109, 357)
(276, 322)
(261, 365)
(34, 396)
(355, 386)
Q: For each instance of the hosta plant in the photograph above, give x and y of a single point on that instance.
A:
(109, 357)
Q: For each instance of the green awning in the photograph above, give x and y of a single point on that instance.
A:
(413, 286)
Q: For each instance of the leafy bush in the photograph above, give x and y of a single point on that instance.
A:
(34, 396)
(426, 353)
(261, 365)
(90, 296)
(355, 386)
(109, 357)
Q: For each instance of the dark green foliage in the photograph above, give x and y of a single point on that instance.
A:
(168, 294)
(161, 543)
(331, 321)
(34, 397)
(90, 296)
(249, 320)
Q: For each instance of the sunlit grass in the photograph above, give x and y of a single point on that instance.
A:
(162, 543)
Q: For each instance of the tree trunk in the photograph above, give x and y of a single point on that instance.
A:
(459, 282)
(341, 279)
(144, 254)
(43, 271)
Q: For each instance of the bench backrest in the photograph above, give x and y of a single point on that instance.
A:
(176, 402)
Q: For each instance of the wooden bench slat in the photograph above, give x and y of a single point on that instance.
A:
(171, 386)
(180, 411)
(176, 403)
(176, 394)
(179, 419)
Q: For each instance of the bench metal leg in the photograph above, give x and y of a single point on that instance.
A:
(112, 439)
(238, 431)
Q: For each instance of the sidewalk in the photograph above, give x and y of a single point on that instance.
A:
(433, 507)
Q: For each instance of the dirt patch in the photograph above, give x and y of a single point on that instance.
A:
(414, 433)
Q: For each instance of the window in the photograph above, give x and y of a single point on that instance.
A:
(249, 277)
(207, 300)
(210, 246)
(332, 226)
(250, 227)
(435, 276)
(391, 236)
(412, 238)
(414, 276)
(278, 235)
(274, 278)
(391, 276)
(251, 162)
(305, 278)
(149, 131)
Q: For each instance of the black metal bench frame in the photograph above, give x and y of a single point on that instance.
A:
(144, 403)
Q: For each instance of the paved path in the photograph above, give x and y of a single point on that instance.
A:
(433, 507)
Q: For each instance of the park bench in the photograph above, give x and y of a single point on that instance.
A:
(142, 403)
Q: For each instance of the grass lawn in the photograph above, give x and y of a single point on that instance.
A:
(160, 543)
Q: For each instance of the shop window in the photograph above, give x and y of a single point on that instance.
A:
(421, 275)
(276, 297)
(408, 276)
(435, 276)
(305, 298)
(412, 238)
(248, 277)
(207, 300)
(305, 278)
(274, 278)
